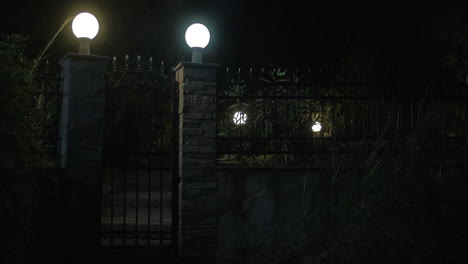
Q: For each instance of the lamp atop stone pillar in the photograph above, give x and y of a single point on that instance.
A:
(81, 126)
(197, 37)
(85, 26)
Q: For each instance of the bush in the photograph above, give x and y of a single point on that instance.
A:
(22, 129)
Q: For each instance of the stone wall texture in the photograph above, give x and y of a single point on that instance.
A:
(81, 132)
(263, 213)
(197, 160)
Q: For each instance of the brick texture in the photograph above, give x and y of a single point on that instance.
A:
(197, 159)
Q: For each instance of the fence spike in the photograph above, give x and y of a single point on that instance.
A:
(161, 67)
(114, 63)
(138, 62)
(47, 66)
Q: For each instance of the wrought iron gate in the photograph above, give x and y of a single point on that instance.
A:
(139, 172)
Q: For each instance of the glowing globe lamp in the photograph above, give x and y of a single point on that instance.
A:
(316, 127)
(239, 118)
(85, 27)
(197, 37)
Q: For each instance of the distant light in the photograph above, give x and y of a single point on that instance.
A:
(239, 118)
(197, 36)
(85, 25)
(316, 127)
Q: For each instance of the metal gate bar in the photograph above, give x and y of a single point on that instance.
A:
(140, 113)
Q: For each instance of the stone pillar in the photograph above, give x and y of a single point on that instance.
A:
(197, 160)
(80, 148)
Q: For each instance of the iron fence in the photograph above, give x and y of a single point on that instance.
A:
(278, 116)
(138, 193)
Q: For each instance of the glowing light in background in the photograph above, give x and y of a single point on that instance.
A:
(316, 127)
(239, 118)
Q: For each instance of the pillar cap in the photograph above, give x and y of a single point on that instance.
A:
(81, 57)
(195, 65)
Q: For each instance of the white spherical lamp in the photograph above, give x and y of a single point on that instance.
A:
(239, 118)
(197, 37)
(85, 27)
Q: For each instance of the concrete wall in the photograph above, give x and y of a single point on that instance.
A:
(262, 212)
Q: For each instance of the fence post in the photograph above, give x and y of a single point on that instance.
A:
(80, 147)
(197, 159)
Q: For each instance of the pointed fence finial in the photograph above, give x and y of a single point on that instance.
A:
(161, 67)
(47, 65)
(138, 62)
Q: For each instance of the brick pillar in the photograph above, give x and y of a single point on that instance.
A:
(81, 132)
(197, 159)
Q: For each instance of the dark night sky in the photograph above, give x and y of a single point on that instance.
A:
(253, 32)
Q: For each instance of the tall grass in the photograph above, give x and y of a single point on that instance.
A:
(396, 206)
